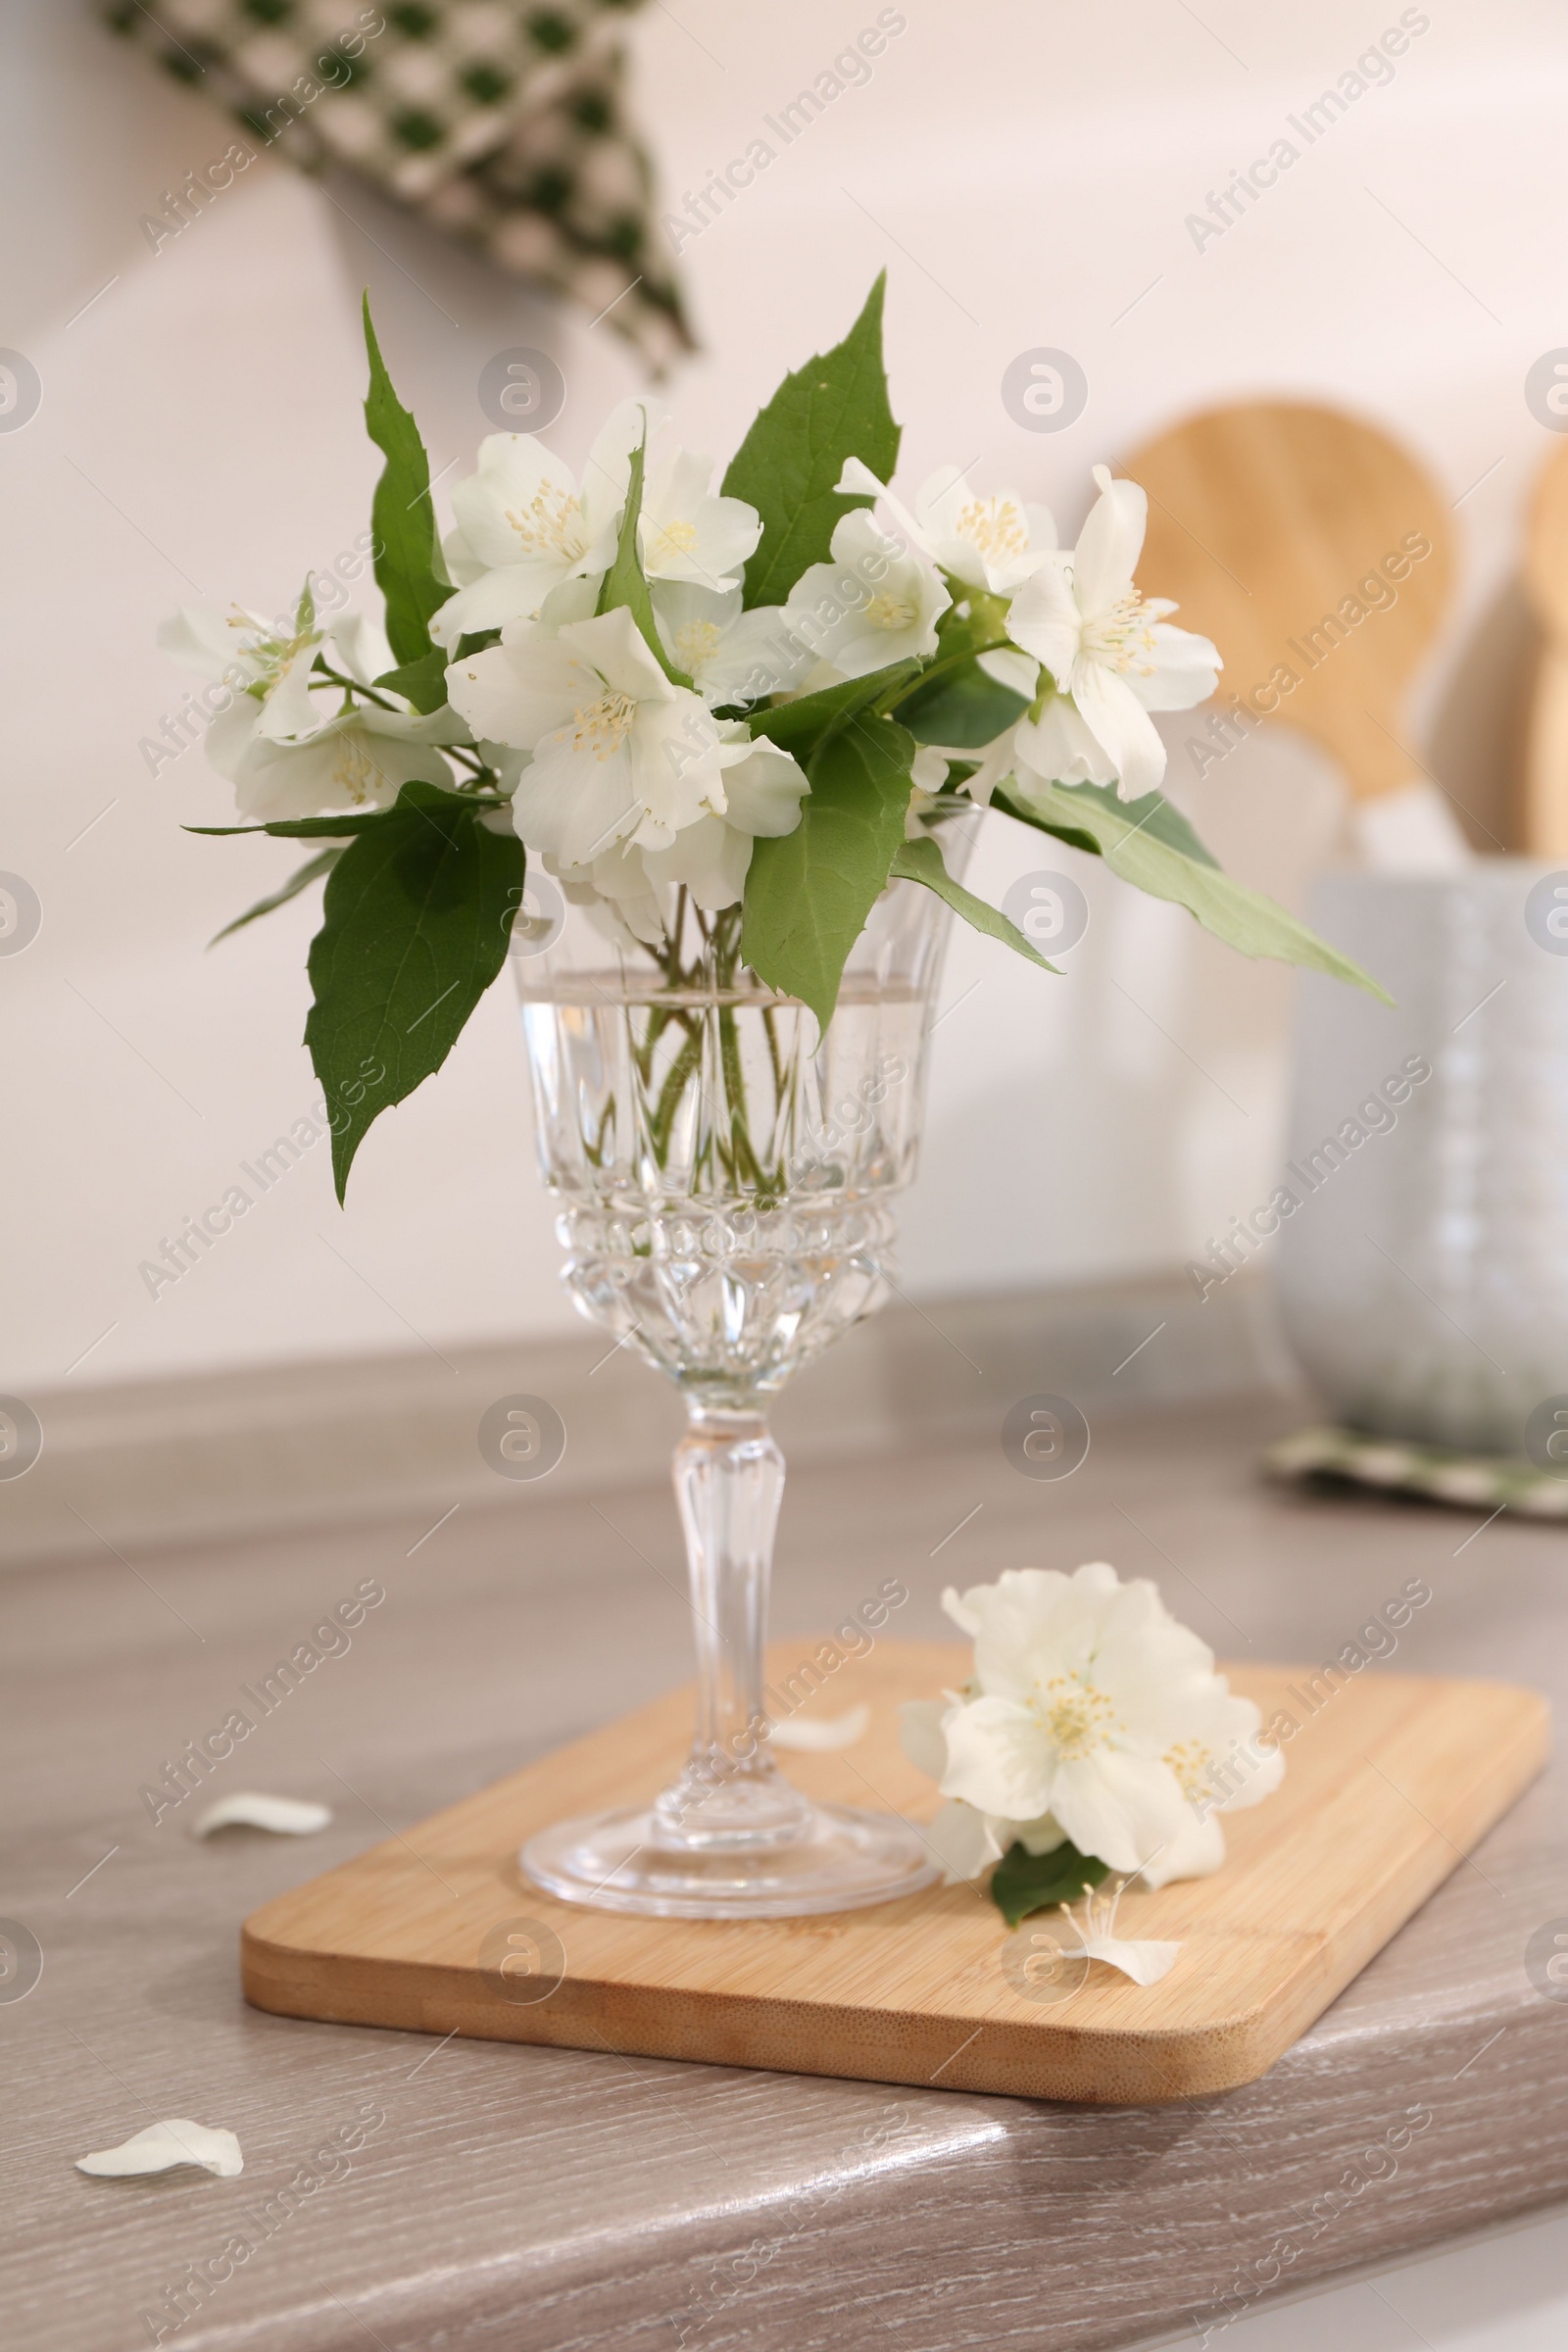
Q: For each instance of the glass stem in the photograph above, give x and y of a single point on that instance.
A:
(729, 1482)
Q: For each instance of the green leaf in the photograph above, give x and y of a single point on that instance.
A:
(417, 915)
(1023, 1883)
(835, 407)
(625, 583)
(1093, 818)
(341, 828)
(423, 682)
(475, 641)
(809, 892)
(965, 708)
(802, 726)
(322, 863)
(293, 828)
(1154, 814)
(409, 569)
(922, 861)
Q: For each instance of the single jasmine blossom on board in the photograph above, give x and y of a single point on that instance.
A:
(1094, 1725)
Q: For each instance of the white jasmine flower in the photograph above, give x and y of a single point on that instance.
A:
(992, 543)
(1092, 1715)
(1054, 746)
(763, 784)
(619, 752)
(357, 762)
(875, 602)
(685, 533)
(764, 787)
(291, 742)
(523, 525)
(241, 649)
(709, 857)
(616, 894)
(730, 656)
(629, 890)
(1108, 648)
(988, 543)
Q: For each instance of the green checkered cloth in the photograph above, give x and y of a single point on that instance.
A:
(1471, 1482)
(502, 121)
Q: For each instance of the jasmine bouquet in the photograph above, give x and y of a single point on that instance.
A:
(722, 722)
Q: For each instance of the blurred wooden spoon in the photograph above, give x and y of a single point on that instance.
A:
(1318, 556)
(1546, 775)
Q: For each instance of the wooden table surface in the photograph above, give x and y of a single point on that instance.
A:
(564, 2201)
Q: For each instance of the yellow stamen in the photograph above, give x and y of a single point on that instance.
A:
(886, 612)
(355, 771)
(551, 524)
(1189, 1761)
(995, 526)
(1124, 638)
(677, 538)
(602, 727)
(1076, 1717)
(697, 642)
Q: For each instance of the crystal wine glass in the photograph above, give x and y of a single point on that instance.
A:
(725, 1175)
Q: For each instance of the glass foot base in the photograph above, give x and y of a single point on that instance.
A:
(622, 1861)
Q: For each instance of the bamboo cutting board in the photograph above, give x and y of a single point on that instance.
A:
(1390, 1783)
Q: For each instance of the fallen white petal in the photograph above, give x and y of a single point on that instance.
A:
(163, 2146)
(287, 1816)
(823, 1733)
(1145, 1962)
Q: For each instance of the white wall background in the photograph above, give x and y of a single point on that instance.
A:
(1024, 168)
